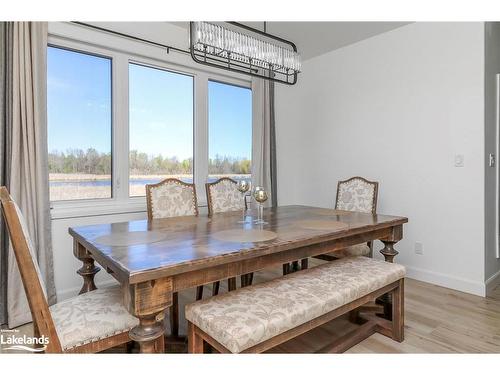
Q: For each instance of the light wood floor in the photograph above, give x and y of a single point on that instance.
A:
(437, 320)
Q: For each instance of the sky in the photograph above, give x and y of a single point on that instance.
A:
(160, 109)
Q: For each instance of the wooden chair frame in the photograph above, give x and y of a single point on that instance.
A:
(166, 181)
(393, 329)
(43, 325)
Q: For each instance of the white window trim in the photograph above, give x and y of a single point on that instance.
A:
(123, 51)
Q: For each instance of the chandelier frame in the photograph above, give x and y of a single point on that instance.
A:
(225, 63)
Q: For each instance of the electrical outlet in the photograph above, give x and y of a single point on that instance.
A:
(419, 248)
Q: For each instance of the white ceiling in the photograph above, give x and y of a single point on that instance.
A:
(316, 38)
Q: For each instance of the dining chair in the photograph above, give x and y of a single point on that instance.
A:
(360, 195)
(223, 196)
(88, 323)
(354, 194)
(173, 198)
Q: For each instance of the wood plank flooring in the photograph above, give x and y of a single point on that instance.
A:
(437, 320)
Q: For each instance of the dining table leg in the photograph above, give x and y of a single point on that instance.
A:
(88, 269)
(148, 302)
(389, 254)
(149, 334)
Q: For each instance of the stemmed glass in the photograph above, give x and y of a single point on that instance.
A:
(243, 187)
(260, 195)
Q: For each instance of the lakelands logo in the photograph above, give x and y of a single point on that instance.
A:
(10, 341)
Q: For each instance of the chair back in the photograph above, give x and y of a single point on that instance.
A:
(357, 194)
(30, 272)
(223, 196)
(170, 198)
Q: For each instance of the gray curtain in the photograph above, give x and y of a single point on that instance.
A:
(264, 138)
(24, 150)
(5, 106)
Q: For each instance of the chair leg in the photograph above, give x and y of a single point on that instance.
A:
(174, 315)
(250, 279)
(199, 292)
(243, 280)
(286, 269)
(231, 284)
(195, 342)
(304, 264)
(246, 280)
(215, 288)
(398, 312)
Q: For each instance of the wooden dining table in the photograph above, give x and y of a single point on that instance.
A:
(153, 259)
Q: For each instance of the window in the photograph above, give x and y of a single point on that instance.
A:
(161, 127)
(123, 116)
(230, 131)
(79, 125)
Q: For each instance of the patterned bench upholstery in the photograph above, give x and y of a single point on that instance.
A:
(242, 319)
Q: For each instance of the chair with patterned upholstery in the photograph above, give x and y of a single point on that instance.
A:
(354, 194)
(172, 198)
(89, 323)
(360, 195)
(223, 196)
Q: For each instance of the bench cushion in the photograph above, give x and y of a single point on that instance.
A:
(246, 317)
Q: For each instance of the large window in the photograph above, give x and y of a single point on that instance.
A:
(79, 125)
(230, 131)
(161, 127)
(121, 118)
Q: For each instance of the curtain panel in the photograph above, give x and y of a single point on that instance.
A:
(264, 138)
(23, 146)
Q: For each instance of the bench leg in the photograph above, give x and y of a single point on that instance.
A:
(195, 342)
(398, 305)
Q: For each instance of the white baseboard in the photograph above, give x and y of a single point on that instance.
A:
(492, 283)
(448, 281)
(72, 292)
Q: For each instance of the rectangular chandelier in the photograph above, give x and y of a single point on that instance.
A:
(251, 52)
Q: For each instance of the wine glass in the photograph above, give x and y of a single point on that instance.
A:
(243, 186)
(260, 195)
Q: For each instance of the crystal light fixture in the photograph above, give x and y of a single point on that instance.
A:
(250, 52)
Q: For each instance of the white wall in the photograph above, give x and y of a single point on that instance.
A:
(492, 67)
(396, 108)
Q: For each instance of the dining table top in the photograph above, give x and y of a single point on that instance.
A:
(142, 250)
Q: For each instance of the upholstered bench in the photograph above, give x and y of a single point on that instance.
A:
(259, 317)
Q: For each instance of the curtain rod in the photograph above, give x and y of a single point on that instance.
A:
(167, 47)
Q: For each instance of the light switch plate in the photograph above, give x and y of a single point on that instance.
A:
(459, 160)
(419, 248)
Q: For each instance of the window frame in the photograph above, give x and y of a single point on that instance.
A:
(111, 120)
(208, 114)
(121, 53)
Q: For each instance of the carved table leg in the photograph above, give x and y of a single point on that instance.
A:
(149, 334)
(88, 270)
(148, 301)
(388, 251)
(386, 300)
